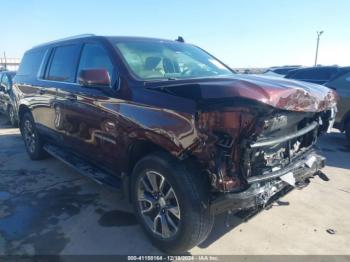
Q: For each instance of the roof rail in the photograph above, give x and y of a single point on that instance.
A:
(65, 38)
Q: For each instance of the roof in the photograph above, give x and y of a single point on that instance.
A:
(138, 38)
(64, 40)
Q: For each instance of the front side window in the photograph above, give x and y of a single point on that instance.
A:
(63, 64)
(94, 56)
(169, 60)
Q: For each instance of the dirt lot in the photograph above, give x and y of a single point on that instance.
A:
(47, 208)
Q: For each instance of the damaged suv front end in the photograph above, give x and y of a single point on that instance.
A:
(265, 143)
(256, 136)
(228, 141)
(277, 153)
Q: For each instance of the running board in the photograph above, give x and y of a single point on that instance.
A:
(86, 169)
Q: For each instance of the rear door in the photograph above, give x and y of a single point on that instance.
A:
(60, 73)
(88, 127)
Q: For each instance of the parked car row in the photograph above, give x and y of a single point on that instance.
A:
(177, 131)
(317, 75)
(336, 78)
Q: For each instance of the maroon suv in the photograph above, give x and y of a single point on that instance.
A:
(171, 126)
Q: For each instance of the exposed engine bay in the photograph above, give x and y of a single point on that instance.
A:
(263, 153)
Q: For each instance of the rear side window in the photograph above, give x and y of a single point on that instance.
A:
(63, 64)
(31, 63)
(94, 56)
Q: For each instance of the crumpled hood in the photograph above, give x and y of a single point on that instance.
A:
(277, 92)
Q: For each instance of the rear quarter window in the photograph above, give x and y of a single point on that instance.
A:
(30, 63)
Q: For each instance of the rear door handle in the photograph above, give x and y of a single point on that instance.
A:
(71, 97)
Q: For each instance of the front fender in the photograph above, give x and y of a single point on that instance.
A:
(171, 130)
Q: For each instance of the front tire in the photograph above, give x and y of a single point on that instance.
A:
(31, 137)
(171, 202)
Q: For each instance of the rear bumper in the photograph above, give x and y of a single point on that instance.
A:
(263, 188)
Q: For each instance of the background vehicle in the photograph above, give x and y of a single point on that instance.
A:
(280, 71)
(7, 98)
(318, 75)
(341, 84)
(171, 126)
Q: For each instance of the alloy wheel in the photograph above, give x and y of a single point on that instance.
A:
(158, 204)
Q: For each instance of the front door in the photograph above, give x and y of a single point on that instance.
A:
(88, 127)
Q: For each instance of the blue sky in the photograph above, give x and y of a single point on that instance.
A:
(255, 33)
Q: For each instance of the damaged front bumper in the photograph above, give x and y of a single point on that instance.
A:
(263, 188)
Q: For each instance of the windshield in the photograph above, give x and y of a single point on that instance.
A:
(169, 60)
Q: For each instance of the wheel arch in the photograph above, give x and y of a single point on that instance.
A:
(139, 149)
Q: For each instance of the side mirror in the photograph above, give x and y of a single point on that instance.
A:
(94, 78)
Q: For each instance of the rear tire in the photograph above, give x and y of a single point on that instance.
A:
(32, 140)
(11, 116)
(177, 223)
